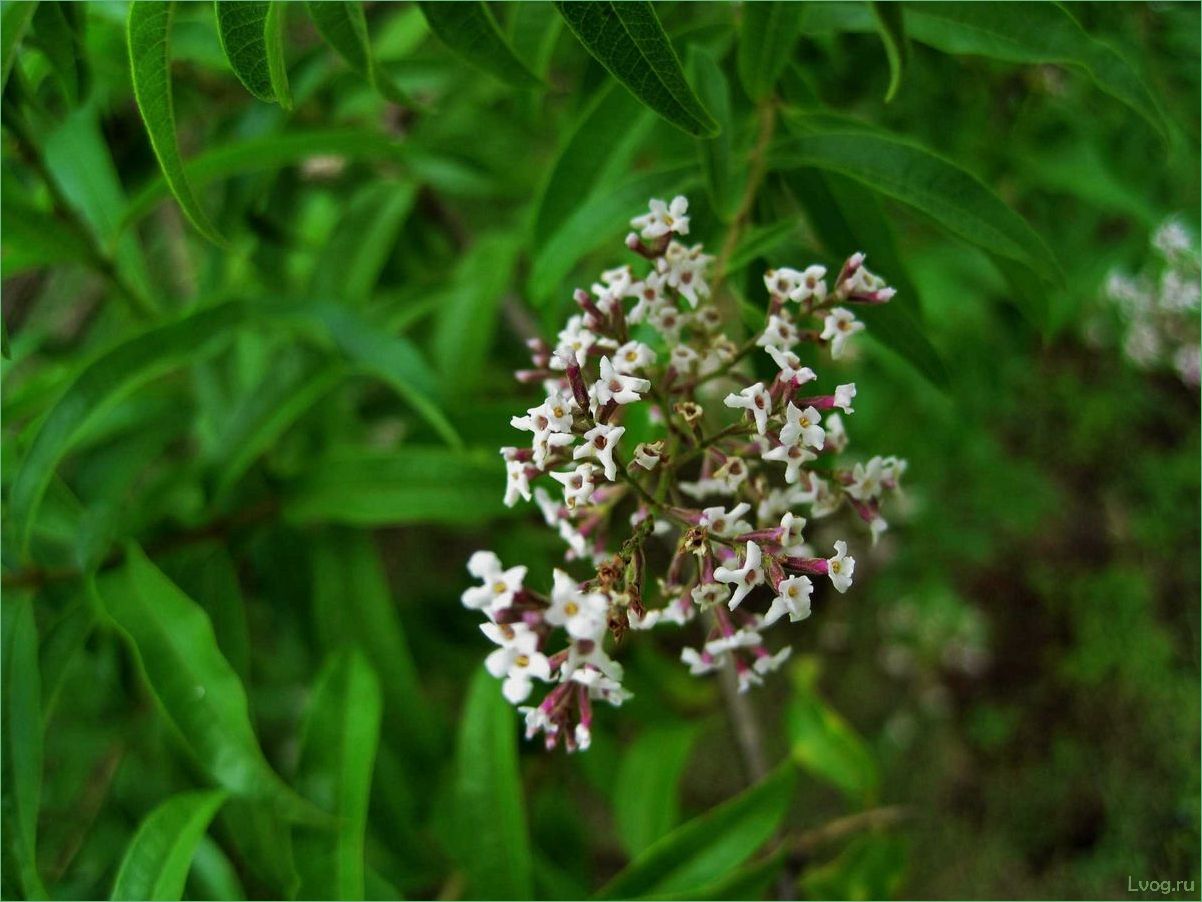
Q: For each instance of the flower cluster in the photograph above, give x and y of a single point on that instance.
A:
(1159, 307)
(679, 480)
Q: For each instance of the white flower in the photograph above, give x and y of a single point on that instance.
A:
(614, 386)
(600, 442)
(863, 284)
(747, 679)
(584, 655)
(725, 523)
(825, 501)
(700, 662)
(517, 483)
(538, 721)
(802, 427)
(507, 635)
(634, 355)
(755, 400)
(551, 509)
(745, 578)
(668, 321)
(839, 326)
(649, 297)
(703, 488)
(841, 567)
(791, 370)
(685, 269)
(648, 454)
(782, 282)
(773, 504)
(578, 484)
(792, 598)
(575, 339)
(766, 664)
(498, 584)
(684, 359)
(519, 662)
(601, 686)
(843, 396)
(810, 285)
(866, 480)
(836, 433)
(663, 219)
(877, 526)
(791, 527)
(892, 469)
(582, 614)
(741, 638)
(794, 457)
(732, 474)
(780, 333)
(651, 616)
(583, 736)
(707, 595)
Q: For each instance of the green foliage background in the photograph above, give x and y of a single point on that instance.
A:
(265, 283)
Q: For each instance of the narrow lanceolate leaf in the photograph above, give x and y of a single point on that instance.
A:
(338, 750)
(14, 21)
(352, 605)
(700, 851)
(929, 183)
(892, 29)
(158, 859)
(715, 154)
(149, 34)
(196, 688)
(470, 30)
(343, 26)
(602, 144)
(1044, 33)
(488, 815)
(58, 33)
(647, 791)
(105, 380)
(22, 740)
(250, 32)
(767, 36)
(466, 324)
(627, 39)
(413, 484)
(825, 744)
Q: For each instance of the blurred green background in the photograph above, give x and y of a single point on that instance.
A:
(257, 468)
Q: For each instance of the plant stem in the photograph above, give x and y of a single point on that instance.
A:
(757, 162)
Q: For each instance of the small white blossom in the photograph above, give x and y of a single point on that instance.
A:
(792, 598)
(839, 326)
(741, 638)
(782, 282)
(791, 370)
(726, 523)
(794, 457)
(663, 219)
(744, 578)
(704, 488)
(575, 339)
(866, 480)
(685, 269)
(810, 285)
(578, 485)
(519, 663)
(766, 664)
(614, 386)
(706, 595)
(600, 442)
(779, 333)
(844, 395)
(684, 359)
(648, 454)
(756, 400)
(517, 483)
(700, 662)
(582, 614)
(802, 427)
(791, 537)
(632, 356)
(498, 585)
(841, 567)
(668, 322)
(649, 297)
(732, 474)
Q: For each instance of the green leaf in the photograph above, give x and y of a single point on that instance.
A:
(848, 218)
(109, 377)
(350, 264)
(716, 154)
(646, 792)
(710, 845)
(196, 688)
(768, 32)
(22, 740)
(338, 749)
(413, 484)
(761, 241)
(628, 40)
(602, 144)
(600, 218)
(751, 881)
(467, 322)
(823, 743)
(61, 645)
(929, 183)
(58, 33)
(251, 36)
(343, 26)
(213, 875)
(871, 867)
(1044, 33)
(892, 29)
(33, 238)
(159, 856)
(14, 21)
(489, 820)
(471, 32)
(391, 358)
(534, 30)
(149, 33)
(352, 605)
